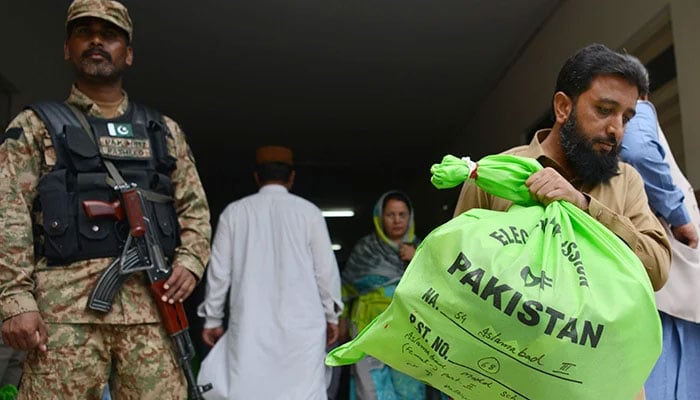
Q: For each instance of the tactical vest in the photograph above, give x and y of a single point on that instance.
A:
(136, 144)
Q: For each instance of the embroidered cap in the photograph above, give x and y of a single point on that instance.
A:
(268, 154)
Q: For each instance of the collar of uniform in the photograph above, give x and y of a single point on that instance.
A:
(88, 106)
(534, 150)
(273, 188)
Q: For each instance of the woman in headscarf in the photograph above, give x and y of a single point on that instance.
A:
(370, 276)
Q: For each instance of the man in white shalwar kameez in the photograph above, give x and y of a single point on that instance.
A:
(273, 251)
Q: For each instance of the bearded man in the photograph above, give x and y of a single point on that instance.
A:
(595, 97)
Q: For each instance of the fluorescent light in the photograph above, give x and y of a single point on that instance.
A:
(338, 213)
(336, 247)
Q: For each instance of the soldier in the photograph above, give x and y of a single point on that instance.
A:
(53, 157)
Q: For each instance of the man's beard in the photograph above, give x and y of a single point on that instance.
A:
(104, 71)
(590, 165)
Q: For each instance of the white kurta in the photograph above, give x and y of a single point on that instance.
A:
(273, 250)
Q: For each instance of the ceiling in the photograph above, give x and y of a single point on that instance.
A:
(367, 93)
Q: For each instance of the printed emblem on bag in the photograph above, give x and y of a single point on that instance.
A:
(531, 280)
(120, 130)
(139, 149)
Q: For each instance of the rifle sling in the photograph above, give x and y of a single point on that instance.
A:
(114, 176)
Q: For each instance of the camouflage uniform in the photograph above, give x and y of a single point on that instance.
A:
(83, 343)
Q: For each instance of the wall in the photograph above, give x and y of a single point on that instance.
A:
(35, 46)
(685, 15)
(5, 102)
(524, 94)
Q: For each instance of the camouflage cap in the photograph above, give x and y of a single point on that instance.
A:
(108, 10)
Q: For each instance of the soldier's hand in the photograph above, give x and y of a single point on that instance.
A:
(686, 234)
(547, 185)
(179, 285)
(25, 331)
(211, 335)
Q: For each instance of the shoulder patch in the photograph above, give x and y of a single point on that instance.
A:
(12, 133)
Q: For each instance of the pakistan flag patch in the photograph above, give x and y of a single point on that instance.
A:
(120, 130)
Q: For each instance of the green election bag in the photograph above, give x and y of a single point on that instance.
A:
(539, 303)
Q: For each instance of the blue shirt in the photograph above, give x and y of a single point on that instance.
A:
(642, 149)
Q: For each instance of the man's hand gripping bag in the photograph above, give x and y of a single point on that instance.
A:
(539, 303)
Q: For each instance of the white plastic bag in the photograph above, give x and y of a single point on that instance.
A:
(214, 370)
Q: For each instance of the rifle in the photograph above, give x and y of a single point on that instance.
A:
(142, 252)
